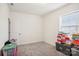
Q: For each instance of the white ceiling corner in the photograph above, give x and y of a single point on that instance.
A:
(35, 8)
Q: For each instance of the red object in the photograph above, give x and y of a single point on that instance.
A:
(62, 38)
(76, 42)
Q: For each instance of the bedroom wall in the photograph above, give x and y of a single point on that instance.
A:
(51, 22)
(4, 14)
(26, 28)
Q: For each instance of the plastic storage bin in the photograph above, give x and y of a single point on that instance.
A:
(9, 50)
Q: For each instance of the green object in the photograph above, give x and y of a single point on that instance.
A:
(9, 46)
(75, 37)
(62, 32)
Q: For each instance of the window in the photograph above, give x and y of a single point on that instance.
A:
(70, 23)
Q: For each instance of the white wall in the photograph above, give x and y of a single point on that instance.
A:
(4, 14)
(26, 28)
(51, 22)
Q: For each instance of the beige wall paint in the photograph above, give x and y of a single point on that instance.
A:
(51, 22)
(26, 28)
(4, 14)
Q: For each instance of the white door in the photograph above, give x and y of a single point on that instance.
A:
(16, 29)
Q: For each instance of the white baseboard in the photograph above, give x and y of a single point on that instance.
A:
(29, 42)
(53, 44)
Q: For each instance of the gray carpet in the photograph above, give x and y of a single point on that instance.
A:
(38, 49)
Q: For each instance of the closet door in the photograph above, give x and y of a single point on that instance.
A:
(16, 28)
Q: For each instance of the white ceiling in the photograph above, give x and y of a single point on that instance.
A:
(35, 8)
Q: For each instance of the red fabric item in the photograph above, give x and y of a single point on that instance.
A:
(76, 42)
